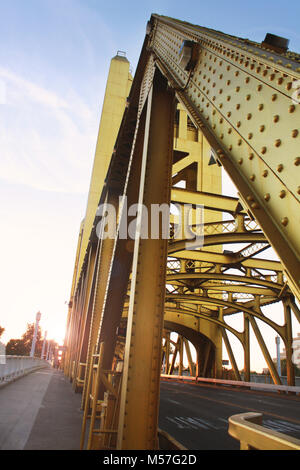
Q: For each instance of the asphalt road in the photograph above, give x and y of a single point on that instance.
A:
(197, 415)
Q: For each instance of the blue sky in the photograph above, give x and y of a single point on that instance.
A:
(54, 60)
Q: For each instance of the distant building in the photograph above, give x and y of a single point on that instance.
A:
(296, 353)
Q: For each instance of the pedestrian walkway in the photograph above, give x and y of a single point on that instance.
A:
(40, 412)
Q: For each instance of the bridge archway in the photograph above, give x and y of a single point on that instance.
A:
(202, 363)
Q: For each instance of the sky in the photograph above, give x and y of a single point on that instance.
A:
(54, 60)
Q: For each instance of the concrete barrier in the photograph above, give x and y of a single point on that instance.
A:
(13, 367)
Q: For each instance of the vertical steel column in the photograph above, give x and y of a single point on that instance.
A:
(102, 273)
(140, 387)
(88, 304)
(167, 356)
(180, 369)
(85, 318)
(246, 346)
(288, 340)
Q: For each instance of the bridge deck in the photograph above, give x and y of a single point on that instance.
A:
(40, 412)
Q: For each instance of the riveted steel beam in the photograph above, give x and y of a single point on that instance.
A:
(140, 386)
(241, 98)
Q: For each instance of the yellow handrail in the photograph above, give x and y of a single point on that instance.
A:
(247, 428)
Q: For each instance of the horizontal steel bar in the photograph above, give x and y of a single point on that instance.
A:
(271, 387)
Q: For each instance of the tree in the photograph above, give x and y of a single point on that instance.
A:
(284, 371)
(1, 331)
(22, 347)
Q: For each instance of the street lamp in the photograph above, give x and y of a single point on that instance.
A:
(38, 317)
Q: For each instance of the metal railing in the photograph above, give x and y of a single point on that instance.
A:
(235, 383)
(247, 428)
(12, 367)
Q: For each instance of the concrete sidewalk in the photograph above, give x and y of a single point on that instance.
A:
(40, 412)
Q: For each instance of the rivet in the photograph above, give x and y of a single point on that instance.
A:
(229, 114)
(237, 73)
(230, 148)
(238, 106)
(285, 221)
(247, 80)
(292, 108)
(265, 173)
(295, 132)
(282, 194)
(297, 161)
(251, 156)
(237, 89)
(276, 118)
(277, 143)
(240, 142)
(259, 88)
(280, 80)
(238, 124)
(262, 128)
(250, 198)
(250, 135)
(248, 97)
(252, 177)
(221, 120)
(264, 150)
(249, 116)
(228, 98)
(228, 82)
(267, 197)
(289, 85)
(229, 130)
(280, 168)
(260, 107)
(274, 97)
(255, 205)
(240, 161)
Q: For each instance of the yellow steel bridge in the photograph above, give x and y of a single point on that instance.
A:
(200, 101)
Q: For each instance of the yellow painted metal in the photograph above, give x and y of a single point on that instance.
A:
(117, 90)
(240, 96)
(247, 428)
(222, 113)
(139, 404)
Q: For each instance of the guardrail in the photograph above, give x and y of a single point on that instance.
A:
(247, 428)
(236, 383)
(17, 366)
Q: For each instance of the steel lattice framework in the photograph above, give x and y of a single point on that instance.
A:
(239, 96)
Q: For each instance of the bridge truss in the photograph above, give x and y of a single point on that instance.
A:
(132, 293)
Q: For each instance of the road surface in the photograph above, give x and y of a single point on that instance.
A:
(197, 415)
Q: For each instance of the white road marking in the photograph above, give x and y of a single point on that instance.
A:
(188, 422)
